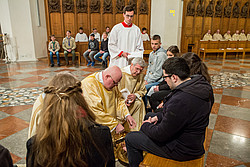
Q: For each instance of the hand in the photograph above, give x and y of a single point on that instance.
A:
(101, 51)
(125, 54)
(146, 82)
(131, 122)
(54, 53)
(131, 98)
(148, 120)
(119, 128)
(160, 105)
(156, 89)
(89, 50)
(69, 50)
(154, 120)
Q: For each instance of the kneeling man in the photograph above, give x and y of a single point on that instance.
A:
(178, 132)
(133, 81)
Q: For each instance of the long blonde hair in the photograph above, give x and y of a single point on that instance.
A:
(64, 116)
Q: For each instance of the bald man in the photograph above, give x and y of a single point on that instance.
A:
(103, 98)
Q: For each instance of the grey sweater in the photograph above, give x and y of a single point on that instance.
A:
(155, 62)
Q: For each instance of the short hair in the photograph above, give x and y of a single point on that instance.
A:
(105, 33)
(177, 66)
(143, 29)
(94, 28)
(128, 8)
(52, 35)
(68, 31)
(107, 27)
(93, 35)
(156, 37)
(80, 28)
(140, 61)
(174, 49)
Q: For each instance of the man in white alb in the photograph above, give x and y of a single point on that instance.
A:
(81, 36)
(124, 39)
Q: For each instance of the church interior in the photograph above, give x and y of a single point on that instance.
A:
(25, 65)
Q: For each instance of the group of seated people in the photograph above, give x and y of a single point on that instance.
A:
(237, 36)
(73, 122)
(93, 53)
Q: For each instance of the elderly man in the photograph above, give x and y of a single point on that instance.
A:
(208, 36)
(227, 36)
(236, 36)
(243, 36)
(103, 98)
(133, 81)
(217, 36)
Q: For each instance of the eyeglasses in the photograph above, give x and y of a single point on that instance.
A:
(129, 16)
(115, 83)
(167, 76)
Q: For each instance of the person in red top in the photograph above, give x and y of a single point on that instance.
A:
(124, 39)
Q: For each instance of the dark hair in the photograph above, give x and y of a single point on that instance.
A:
(174, 49)
(94, 29)
(143, 29)
(52, 35)
(177, 66)
(196, 65)
(128, 8)
(80, 28)
(93, 35)
(107, 27)
(156, 37)
(68, 31)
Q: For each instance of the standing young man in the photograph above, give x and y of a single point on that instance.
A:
(69, 46)
(124, 38)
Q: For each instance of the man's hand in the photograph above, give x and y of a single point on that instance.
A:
(131, 122)
(125, 54)
(54, 53)
(160, 105)
(146, 82)
(89, 50)
(119, 128)
(151, 120)
(131, 99)
(101, 51)
(156, 89)
(69, 50)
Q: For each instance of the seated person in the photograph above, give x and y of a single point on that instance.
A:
(144, 34)
(248, 36)
(227, 36)
(104, 52)
(217, 36)
(178, 132)
(69, 46)
(162, 90)
(236, 36)
(107, 31)
(133, 81)
(54, 48)
(97, 35)
(93, 48)
(105, 101)
(156, 59)
(208, 36)
(67, 134)
(81, 36)
(243, 35)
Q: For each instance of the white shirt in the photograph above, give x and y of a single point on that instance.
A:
(81, 37)
(97, 36)
(126, 39)
(145, 37)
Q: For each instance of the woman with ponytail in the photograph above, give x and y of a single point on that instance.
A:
(67, 134)
(196, 65)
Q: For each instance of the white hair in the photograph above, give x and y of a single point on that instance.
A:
(139, 60)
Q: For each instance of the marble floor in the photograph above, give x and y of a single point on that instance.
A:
(228, 140)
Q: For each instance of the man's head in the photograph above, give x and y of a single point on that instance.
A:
(237, 31)
(53, 38)
(243, 31)
(209, 31)
(218, 31)
(105, 35)
(156, 42)
(128, 14)
(80, 30)
(137, 66)
(173, 51)
(68, 33)
(111, 77)
(144, 30)
(92, 36)
(107, 29)
(175, 71)
(228, 32)
(94, 30)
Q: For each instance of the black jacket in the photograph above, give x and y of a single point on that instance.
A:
(103, 139)
(93, 45)
(104, 45)
(182, 124)
(5, 157)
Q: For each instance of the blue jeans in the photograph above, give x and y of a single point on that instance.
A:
(57, 56)
(104, 57)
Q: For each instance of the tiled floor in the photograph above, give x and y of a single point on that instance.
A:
(228, 141)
